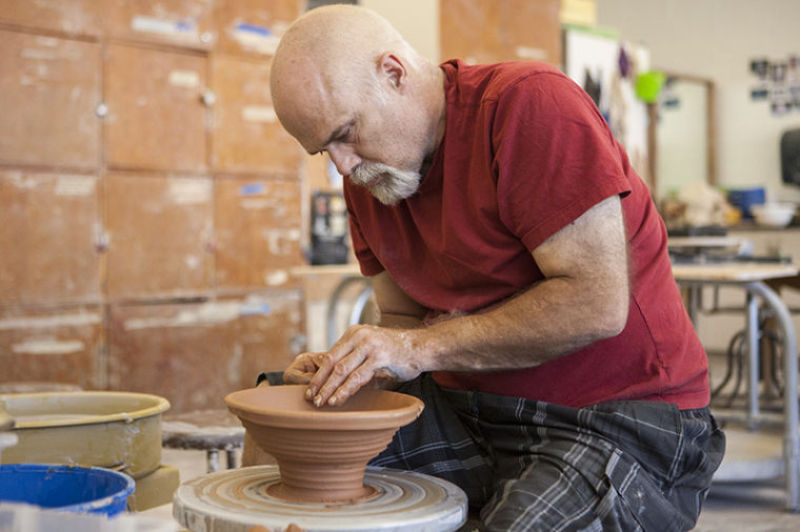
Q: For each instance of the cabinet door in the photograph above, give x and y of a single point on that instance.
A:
(59, 345)
(246, 136)
(257, 232)
(73, 17)
(48, 230)
(156, 116)
(49, 89)
(253, 26)
(187, 23)
(195, 354)
(512, 30)
(158, 231)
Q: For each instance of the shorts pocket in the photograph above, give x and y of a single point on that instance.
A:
(635, 501)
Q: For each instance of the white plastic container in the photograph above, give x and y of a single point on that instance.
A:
(773, 214)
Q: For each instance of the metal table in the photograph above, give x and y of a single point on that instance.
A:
(750, 277)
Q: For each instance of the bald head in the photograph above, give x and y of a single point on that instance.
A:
(343, 80)
(338, 36)
(329, 57)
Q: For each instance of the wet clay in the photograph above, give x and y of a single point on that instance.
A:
(322, 453)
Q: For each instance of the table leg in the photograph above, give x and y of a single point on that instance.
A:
(752, 360)
(791, 450)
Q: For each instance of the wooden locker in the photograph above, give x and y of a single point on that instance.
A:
(246, 135)
(49, 89)
(158, 231)
(195, 353)
(257, 228)
(253, 26)
(59, 345)
(269, 333)
(48, 231)
(73, 17)
(183, 23)
(156, 115)
(512, 30)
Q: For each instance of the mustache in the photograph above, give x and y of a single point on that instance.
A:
(392, 186)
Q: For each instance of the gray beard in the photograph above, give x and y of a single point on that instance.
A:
(395, 185)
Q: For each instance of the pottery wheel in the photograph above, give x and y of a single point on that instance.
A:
(237, 499)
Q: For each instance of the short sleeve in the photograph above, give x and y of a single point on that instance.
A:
(555, 156)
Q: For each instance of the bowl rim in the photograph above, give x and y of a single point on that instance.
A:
(326, 418)
(157, 405)
(780, 205)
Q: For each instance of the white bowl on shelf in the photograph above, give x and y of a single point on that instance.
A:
(774, 214)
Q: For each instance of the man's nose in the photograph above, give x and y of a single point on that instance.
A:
(344, 158)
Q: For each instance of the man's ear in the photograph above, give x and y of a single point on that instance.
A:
(392, 68)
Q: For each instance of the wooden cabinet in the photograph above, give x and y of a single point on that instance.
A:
(185, 23)
(257, 232)
(156, 115)
(48, 229)
(195, 354)
(49, 89)
(148, 196)
(56, 345)
(158, 230)
(246, 135)
(72, 17)
(253, 26)
(513, 30)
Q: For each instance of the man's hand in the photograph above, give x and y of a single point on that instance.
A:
(364, 354)
(302, 368)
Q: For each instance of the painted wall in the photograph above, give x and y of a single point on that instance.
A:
(717, 39)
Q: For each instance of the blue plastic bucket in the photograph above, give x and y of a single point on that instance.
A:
(58, 487)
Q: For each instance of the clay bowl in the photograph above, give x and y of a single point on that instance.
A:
(321, 452)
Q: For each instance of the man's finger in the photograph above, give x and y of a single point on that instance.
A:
(338, 374)
(325, 362)
(356, 379)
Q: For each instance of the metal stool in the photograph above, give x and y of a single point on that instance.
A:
(208, 430)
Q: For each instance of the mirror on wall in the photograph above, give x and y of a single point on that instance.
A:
(682, 130)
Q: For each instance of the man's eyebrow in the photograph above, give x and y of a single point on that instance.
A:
(337, 133)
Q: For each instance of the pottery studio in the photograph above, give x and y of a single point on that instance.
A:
(419, 265)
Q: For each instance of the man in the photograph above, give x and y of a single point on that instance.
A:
(521, 273)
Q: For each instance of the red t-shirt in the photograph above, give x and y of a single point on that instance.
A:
(525, 152)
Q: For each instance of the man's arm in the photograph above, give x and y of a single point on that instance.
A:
(397, 310)
(583, 298)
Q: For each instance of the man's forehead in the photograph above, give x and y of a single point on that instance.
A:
(319, 122)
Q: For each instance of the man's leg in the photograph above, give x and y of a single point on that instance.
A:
(620, 466)
(438, 444)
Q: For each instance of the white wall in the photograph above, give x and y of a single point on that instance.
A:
(717, 39)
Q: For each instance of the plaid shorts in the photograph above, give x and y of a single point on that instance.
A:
(531, 465)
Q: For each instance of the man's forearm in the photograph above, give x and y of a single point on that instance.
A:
(548, 320)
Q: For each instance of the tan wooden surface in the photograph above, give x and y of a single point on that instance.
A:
(246, 135)
(49, 89)
(185, 23)
(194, 354)
(159, 229)
(487, 32)
(156, 116)
(47, 237)
(257, 232)
(51, 345)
